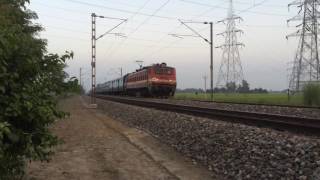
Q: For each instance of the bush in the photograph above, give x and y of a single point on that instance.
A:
(311, 94)
(30, 81)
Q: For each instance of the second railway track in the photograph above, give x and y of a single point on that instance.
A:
(300, 124)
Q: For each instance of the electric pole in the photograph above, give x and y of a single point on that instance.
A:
(80, 77)
(205, 83)
(94, 39)
(211, 60)
(230, 68)
(210, 42)
(93, 60)
(120, 72)
(306, 66)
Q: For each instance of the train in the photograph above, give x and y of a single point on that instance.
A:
(157, 80)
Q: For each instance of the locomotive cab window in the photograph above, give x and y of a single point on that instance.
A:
(167, 71)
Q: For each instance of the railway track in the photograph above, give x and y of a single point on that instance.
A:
(258, 104)
(300, 124)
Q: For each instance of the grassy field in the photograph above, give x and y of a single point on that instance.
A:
(270, 98)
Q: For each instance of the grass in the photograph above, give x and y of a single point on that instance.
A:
(311, 94)
(269, 98)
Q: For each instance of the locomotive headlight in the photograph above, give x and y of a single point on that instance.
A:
(154, 79)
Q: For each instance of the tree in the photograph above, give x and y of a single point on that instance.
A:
(231, 87)
(244, 88)
(30, 81)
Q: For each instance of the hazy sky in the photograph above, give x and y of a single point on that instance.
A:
(265, 58)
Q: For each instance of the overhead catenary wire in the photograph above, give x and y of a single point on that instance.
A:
(167, 17)
(218, 6)
(82, 12)
(144, 22)
(130, 18)
(117, 9)
(173, 32)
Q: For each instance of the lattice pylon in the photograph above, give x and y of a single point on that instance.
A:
(230, 67)
(306, 66)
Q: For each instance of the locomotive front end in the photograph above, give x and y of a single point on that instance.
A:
(162, 80)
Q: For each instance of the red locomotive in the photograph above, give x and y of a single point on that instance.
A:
(158, 80)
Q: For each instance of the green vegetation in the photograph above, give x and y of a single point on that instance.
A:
(243, 94)
(311, 94)
(260, 98)
(30, 81)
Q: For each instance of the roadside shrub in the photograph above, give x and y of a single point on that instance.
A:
(311, 94)
(30, 81)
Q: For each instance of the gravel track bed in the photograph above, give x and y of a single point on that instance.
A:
(290, 111)
(230, 150)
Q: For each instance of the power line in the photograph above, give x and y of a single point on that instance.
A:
(117, 9)
(82, 12)
(269, 5)
(144, 22)
(63, 19)
(240, 11)
(177, 27)
(67, 37)
(66, 29)
(139, 9)
(253, 6)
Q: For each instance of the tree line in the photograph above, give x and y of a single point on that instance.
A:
(231, 87)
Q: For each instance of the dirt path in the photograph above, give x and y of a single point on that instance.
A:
(97, 147)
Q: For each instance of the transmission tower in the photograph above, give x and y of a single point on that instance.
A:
(306, 63)
(230, 68)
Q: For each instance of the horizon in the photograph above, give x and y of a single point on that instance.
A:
(265, 58)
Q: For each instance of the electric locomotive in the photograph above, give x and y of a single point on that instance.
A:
(158, 80)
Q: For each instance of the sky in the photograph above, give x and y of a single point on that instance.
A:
(265, 58)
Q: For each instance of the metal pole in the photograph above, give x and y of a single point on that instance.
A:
(93, 62)
(211, 47)
(205, 83)
(315, 31)
(211, 59)
(80, 77)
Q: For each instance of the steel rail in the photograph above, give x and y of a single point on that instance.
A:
(252, 104)
(279, 121)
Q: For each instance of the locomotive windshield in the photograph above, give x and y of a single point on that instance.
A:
(165, 70)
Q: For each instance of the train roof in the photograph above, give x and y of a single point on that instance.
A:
(104, 83)
(153, 65)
